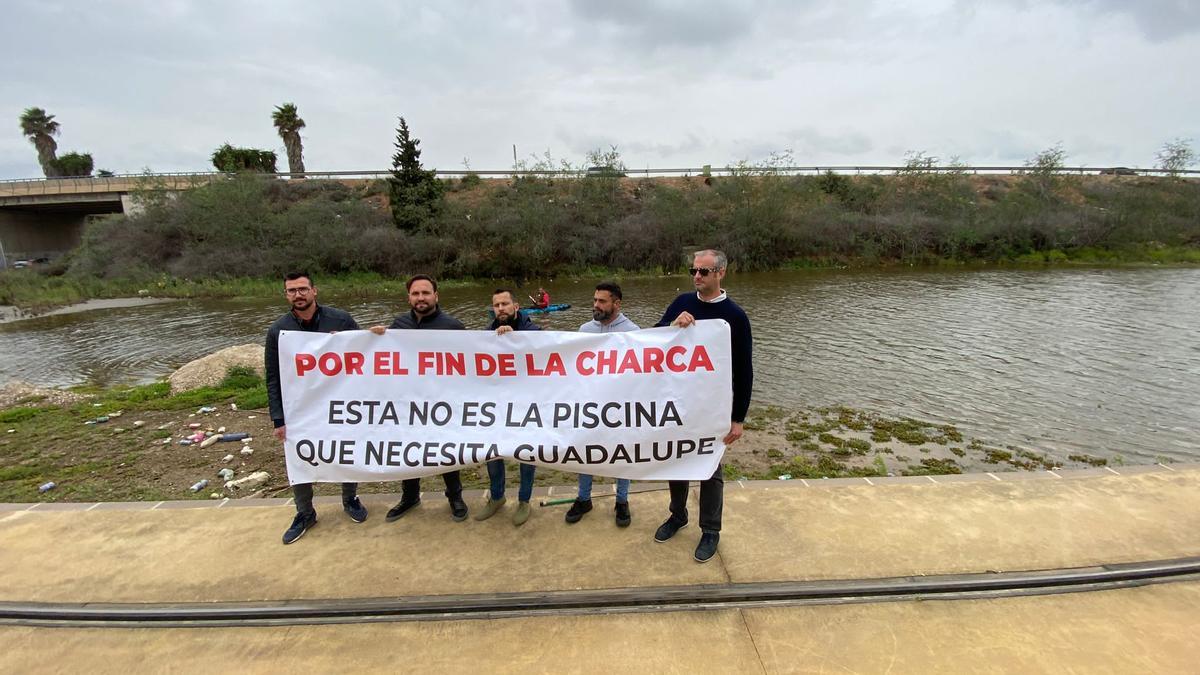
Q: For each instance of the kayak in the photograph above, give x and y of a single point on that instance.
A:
(557, 307)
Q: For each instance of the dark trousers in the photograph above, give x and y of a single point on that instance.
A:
(411, 488)
(712, 500)
(303, 492)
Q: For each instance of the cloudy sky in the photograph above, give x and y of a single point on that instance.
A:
(671, 83)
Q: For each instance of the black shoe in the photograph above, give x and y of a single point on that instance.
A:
(355, 510)
(299, 526)
(400, 509)
(458, 509)
(707, 547)
(668, 529)
(580, 507)
(623, 517)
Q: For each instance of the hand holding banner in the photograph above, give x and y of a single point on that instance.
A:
(649, 405)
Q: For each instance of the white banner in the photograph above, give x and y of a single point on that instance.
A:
(650, 404)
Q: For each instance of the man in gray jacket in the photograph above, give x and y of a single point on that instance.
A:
(606, 318)
(426, 314)
(305, 315)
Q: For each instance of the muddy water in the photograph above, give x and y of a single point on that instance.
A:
(1102, 361)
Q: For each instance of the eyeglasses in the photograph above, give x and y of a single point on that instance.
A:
(296, 291)
(704, 271)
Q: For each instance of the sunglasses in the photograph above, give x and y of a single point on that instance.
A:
(704, 271)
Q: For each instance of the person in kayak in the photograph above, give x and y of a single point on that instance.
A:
(542, 299)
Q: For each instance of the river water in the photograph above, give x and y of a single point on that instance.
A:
(1100, 361)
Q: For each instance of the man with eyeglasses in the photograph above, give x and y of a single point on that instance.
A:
(711, 302)
(305, 315)
(426, 314)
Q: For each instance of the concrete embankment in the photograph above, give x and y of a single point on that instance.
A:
(796, 531)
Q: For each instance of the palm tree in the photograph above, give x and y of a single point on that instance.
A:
(289, 125)
(41, 130)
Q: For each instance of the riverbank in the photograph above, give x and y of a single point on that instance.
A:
(25, 294)
(123, 444)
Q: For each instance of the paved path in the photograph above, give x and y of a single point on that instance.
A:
(772, 532)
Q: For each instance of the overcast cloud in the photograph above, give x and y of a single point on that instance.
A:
(670, 83)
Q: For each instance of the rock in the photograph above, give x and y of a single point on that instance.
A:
(221, 430)
(119, 430)
(252, 481)
(23, 393)
(210, 370)
(139, 423)
(233, 407)
(216, 495)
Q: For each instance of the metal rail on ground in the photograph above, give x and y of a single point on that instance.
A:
(618, 600)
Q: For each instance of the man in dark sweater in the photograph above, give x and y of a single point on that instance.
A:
(711, 302)
(306, 315)
(508, 319)
(426, 314)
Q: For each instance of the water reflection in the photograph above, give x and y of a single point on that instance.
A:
(1098, 361)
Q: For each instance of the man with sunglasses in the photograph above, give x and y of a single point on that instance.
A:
(305, 315)
(711, 302)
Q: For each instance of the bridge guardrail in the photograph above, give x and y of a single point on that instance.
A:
(189, 179)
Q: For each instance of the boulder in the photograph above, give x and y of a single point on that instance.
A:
(210, 370)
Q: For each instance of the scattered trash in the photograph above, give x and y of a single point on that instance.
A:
(233, 406)
(99, 420)
(12, 431)
(191, 414)
(220, 430)
(162, 427)
(139, 423)
(251, 417)
(119, 430)
(206, 409)
(184, 441)
(211, 440)
(194, 425)
(253, 480)
(166, 441)
(786, 476)
(247, 450)
(116, 414)
(225, 474)
(196, 437)
(226, 438)
(46, 487)
(227, 458)
(216, 495)
(199, 485)
(97, 405)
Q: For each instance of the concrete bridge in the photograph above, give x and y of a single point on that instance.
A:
(45, 218)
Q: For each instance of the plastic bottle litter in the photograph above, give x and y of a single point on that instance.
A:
(206, 409)
(116, 414)
(211, 440)
(139, 423)
(46, 487)
(227, 458)
(166, 441)
(225, 474)
(786, 476)
(226, 438)
(194, 425)
(185, 441)
(199, 485)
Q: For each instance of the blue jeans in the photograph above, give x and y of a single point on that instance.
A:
(496, 474)
(585, 488)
